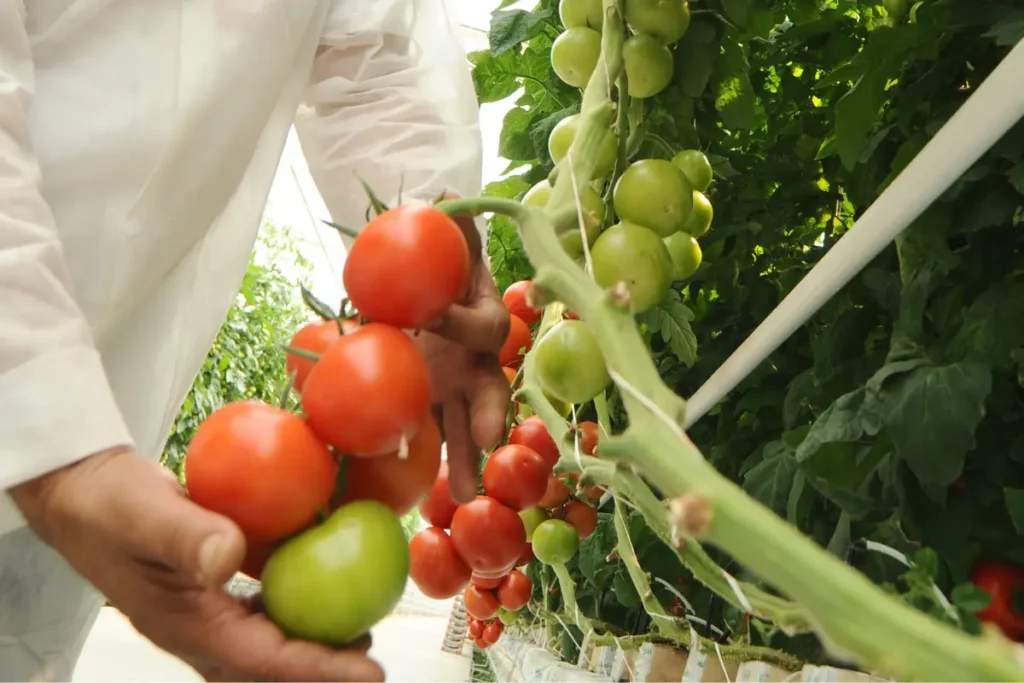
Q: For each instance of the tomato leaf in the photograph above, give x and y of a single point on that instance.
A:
(625, 592)
(1008, 30)
(969, 597)
(511, 28)
(695, 57)
(771, 480)
(1016, 176)
(1015, 506)
(671, 319)
(734, 95)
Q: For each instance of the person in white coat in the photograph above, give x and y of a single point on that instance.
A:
(138, 142)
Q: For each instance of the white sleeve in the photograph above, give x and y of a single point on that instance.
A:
(390, 101)
(56, 405)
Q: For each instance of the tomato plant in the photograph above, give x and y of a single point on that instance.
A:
(438, 508)
(589, 434)
(574, 55)
(582, 517)
(434, 566)
(555, 542)
(514, 299)
(561, 139)
(1004, 583)
(555, 494)
(700, 218)
(654, 194)
(685, 254)
(514, 591)
(534, 516)
(569, 363)
(532, 434)
(492, 632)
(637, 257)
(488, 535)
(480, 603)
(591, 205)
(261, 467)
(648, 66)
(581, 13)
(515, 476)
(517, 343)
(695, 166)
(666, 20)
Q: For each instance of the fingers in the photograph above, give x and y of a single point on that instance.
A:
(463, 456)
(489, 397)
(481, 324)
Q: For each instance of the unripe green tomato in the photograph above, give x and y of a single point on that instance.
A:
(593, 216)
(685, 254)
(700, 217)
(666, 20)
(507, 617)
(574, 55)
(696, 167)
(564, 133)
(531, 518)
(587, 13)
(648, 65)
(655, 194)
(525, 410)
(555, 542)
(569, 363)
(634, 255)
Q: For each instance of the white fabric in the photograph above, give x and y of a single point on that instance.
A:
(138, 142)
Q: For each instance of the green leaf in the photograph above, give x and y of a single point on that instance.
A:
(1008, 30)
(969, 598)
(695, 57)
(932, 414)
(625, 592)
(995, 208)
(1016, 176)
(511, 28)
(514, 142)
(993, 327)
(509, 188)
(772, 479)
(671, 319)
(540, 131)
(734, 95)
(1015, 506)
(595, 548)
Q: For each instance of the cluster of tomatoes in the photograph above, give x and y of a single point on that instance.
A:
(318, 495)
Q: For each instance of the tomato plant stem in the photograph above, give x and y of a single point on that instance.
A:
(568, 588)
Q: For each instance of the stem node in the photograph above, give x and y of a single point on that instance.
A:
(690, 515)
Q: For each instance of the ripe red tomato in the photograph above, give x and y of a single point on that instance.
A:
(315, 337)
(526, 556)
(261, 467)
(398, 483)
(593, 492)
(480, 603)
(488, 535)
(492, 632)
(581, 516)
(532, 433)
(481, 643)
(438, 508)
(555, 495)
(516, 476)
(367, 391)
(510, 374)
(589, 432)
(434, 566)
(485, 582)
(476, 628)
(515, 301)
(517, 343)
(570, 315)
(1001, 581)
(514, 592)
(407, 266)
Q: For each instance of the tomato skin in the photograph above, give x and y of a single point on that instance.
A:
(481, 643)
(438, 508)
(517, 343)
(316, 338)
(696, 167)
(480, 603)
(476, 628)
(399, 484)
(388, 276)
(514, 299)
(570, 365)
(666, 21)
(510, 374)
(654, 194)
(700, 218)
(434, 566)
(581, 13)
(1000, 580)
(582, 517)
(261, 467)
(570, 315)
(516, 476)
(685, 253)
(367, 391)
(632, 254)
(486, 583)
(555, 542)
(492, 632)
(574, 55)
(515, 590)
(532, 433)
(649, 65)
(589, 433)
(533, 516)
(507, 617)
(488, 535)
(526, 557)
(555, 495)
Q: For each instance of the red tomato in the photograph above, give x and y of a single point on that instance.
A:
(571, 316)
(492, 632)
(532, 433)
(515, 301)
(476, 628)
(514, 592)
(516, 476)
(398, 483)
(434, 566)
(517, 343)
(367, 391)
(315, 337)
(1001, 580)
(407, 266)
(526, 556)
(488, 535)
(510, 374)
(480, 603)
(593, 492)
(481, 643)
(581, 516)
(261, 467)
(486, 582)
(589, 432)
(438, 508)
(555, 495)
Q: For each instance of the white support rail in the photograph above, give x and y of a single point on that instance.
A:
(986, 116)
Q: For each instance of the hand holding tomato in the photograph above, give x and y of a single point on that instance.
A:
(165, 570)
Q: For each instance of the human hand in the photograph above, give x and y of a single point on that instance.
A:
(125, 525)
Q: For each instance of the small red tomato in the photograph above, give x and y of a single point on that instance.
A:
(408, 265)
(480, 603)
(492, 632)
(510, 374)
(532, 433)
(570, 315)
(517, 343)
(488, 535)
(581, 516)
(555, 495)
(593, 493)
(316, 338)
(514, 591)
(1001, 581)
(434, 566)
(368, 391)
(589, 432)
(485, 582)
(526, 556)
(481, 644)
(515, 301)
(516, 476)
(476, 628)
(438, 508)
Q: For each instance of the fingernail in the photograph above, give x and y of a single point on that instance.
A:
(211, 555)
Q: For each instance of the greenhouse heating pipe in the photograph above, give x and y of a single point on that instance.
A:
(986, 116)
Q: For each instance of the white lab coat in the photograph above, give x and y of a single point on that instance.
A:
(138, 143)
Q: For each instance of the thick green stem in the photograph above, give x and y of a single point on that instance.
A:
(571, 609)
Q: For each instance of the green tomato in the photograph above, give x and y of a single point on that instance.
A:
(696, 167)
(648, 66)
(507, 617)
(574, 55)
(685, 254)
(564, 409)
(896, 8)
(555, 542)
(666, 20)
(569, 363)
(655, 194)
(587, 13)
(332, 583)
(593, 216)
(562, 136)
(632, 254)
(700, 217)
(531, 518)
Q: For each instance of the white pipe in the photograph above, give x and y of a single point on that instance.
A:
(988, 114)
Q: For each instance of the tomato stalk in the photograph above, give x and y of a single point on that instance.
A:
(569, 606)
(302, 353)
(319, 307)
(344, 230)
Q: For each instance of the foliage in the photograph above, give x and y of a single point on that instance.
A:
(895, 413)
